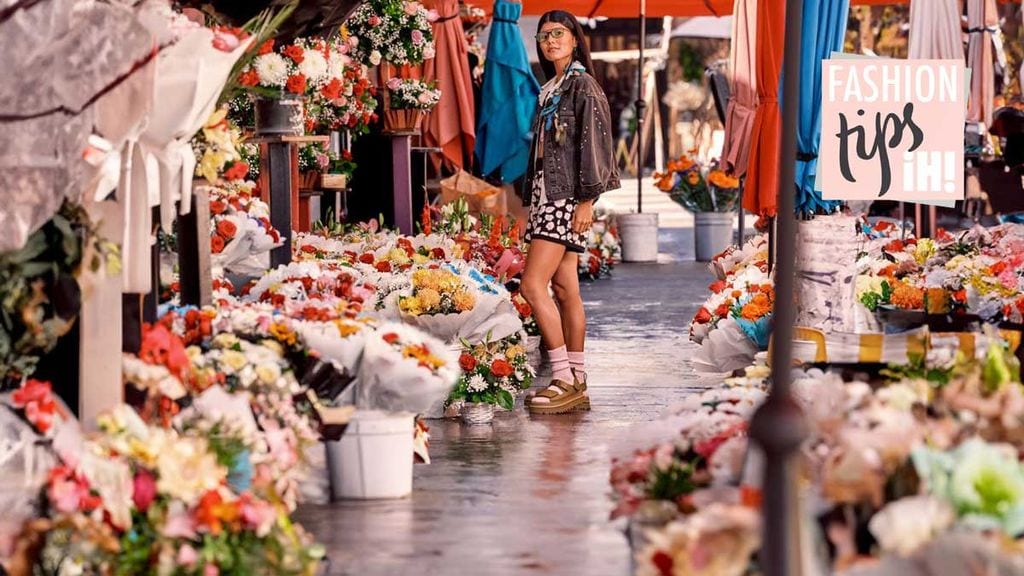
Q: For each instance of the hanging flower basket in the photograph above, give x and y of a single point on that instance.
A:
(403, 120)
(280, 117)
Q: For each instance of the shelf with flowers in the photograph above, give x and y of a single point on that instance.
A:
(493, 374)
(711, 195)
(407, 101)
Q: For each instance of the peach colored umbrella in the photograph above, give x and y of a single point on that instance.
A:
(450, 126)
(982, 22)
(739, 119)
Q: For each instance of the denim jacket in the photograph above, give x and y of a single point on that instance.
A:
(579, 160)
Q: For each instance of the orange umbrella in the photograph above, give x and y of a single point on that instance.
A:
(763, 168)
(450, 126)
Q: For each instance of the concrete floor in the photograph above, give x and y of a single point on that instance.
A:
(529, 495)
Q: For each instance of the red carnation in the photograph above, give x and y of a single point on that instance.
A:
(723, 309)
(718, 286)
(467, 362)
(217, 207)
(383, 266)
(332, 90)
(501, 368)
(296, 53)
(266, 48)
(366, 258)
(390, 337)
(249, 78)
(703, 316)
(227, 229)
(437, 253)
(216, 244)
(144, 490)
(237, 171)
(296, 84)
(663, 562)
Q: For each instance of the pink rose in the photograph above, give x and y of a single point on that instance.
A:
(66, 495)
(353, 41)
(394, 83)
(187, 556)
(417, 37)
(411, 8)
(374, 20)
(432, 15)
(428, 52)
(424, 98)
(211, 570)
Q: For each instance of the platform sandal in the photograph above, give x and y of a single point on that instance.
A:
(567, 399)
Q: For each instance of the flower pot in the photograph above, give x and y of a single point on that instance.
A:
(712, 234)
(403, 120)
(374, 458)
(279, 117)
(639, 236)
(477, 413)
(309, 180)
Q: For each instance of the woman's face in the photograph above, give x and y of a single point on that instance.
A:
(556, 41)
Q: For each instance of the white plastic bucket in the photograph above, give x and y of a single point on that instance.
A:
(639, 234)
(374, 458)
(712, 234)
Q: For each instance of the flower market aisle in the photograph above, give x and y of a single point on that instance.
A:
(530, 494)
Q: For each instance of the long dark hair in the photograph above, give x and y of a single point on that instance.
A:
(580, 54)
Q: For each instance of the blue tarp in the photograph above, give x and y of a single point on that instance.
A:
(824, 28)
(508, 98)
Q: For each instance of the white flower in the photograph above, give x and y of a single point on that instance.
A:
(314, 67)
(272, 69)
(476, 383)
(909, 523)
(374, 57)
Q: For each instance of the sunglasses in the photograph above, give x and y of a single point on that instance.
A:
(557, 34)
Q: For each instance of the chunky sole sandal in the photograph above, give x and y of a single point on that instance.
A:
(569, 398)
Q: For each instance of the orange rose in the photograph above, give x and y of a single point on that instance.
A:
(226, 229)
(332, 90)
(266, 48)
(693, 178)
(216, 244)
(501, 368)
(249, 78)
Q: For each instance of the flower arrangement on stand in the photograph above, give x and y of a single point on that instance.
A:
(493, 374)
(394, 31)
(346, 100)
(408, 100)
(314, 160)
(280, 81)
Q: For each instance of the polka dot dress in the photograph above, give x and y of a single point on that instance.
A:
(552, 220)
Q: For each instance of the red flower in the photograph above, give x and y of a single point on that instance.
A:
(296, 84)
(467, 362)
(723, 309)
(308, 249)
(36, 398)
(501, 368)
(266, 48)
(703, 316)
(332, 90)
(437, 253)
(144, 492)
(366, 258)
(997, 268)
(161, 347)
(226, 229)
(249, 78)
(718, 286)
(390, 337)
(217, 207)
(894, 246)
(663, 562)
(960, 296)
(216, 244)
(237, 171)
(296, 53)
(383, 266)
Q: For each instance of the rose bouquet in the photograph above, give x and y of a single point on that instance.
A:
(241, 235)
(404, 370)
(347, 100)
(492, 372)
(412, 94)
(394, 31)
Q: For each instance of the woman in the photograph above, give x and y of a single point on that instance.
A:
(571, 164)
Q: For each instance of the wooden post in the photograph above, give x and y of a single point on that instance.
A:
(100, 324)
(401, 180)
(194, 251)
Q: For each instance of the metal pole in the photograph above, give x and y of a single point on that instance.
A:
(641, 104)
(778, 426)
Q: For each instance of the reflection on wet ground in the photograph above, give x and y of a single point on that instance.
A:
(530, 494)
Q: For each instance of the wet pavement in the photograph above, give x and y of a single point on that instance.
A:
(529, 495)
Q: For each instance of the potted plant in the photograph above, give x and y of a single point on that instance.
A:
(408, 100)
(493, 373)
(711, 195)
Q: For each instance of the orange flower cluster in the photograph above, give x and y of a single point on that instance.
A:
(758, 307)
(720, 179)
(907, 297)
(666, 181)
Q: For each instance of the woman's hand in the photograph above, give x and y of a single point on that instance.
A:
(583, 218)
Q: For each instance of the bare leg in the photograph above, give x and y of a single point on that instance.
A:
(566, 285)
(542, 261)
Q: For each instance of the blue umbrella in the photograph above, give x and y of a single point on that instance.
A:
(508, 98)
(824, 26)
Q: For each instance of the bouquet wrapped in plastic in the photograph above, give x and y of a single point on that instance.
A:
(404, 370)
